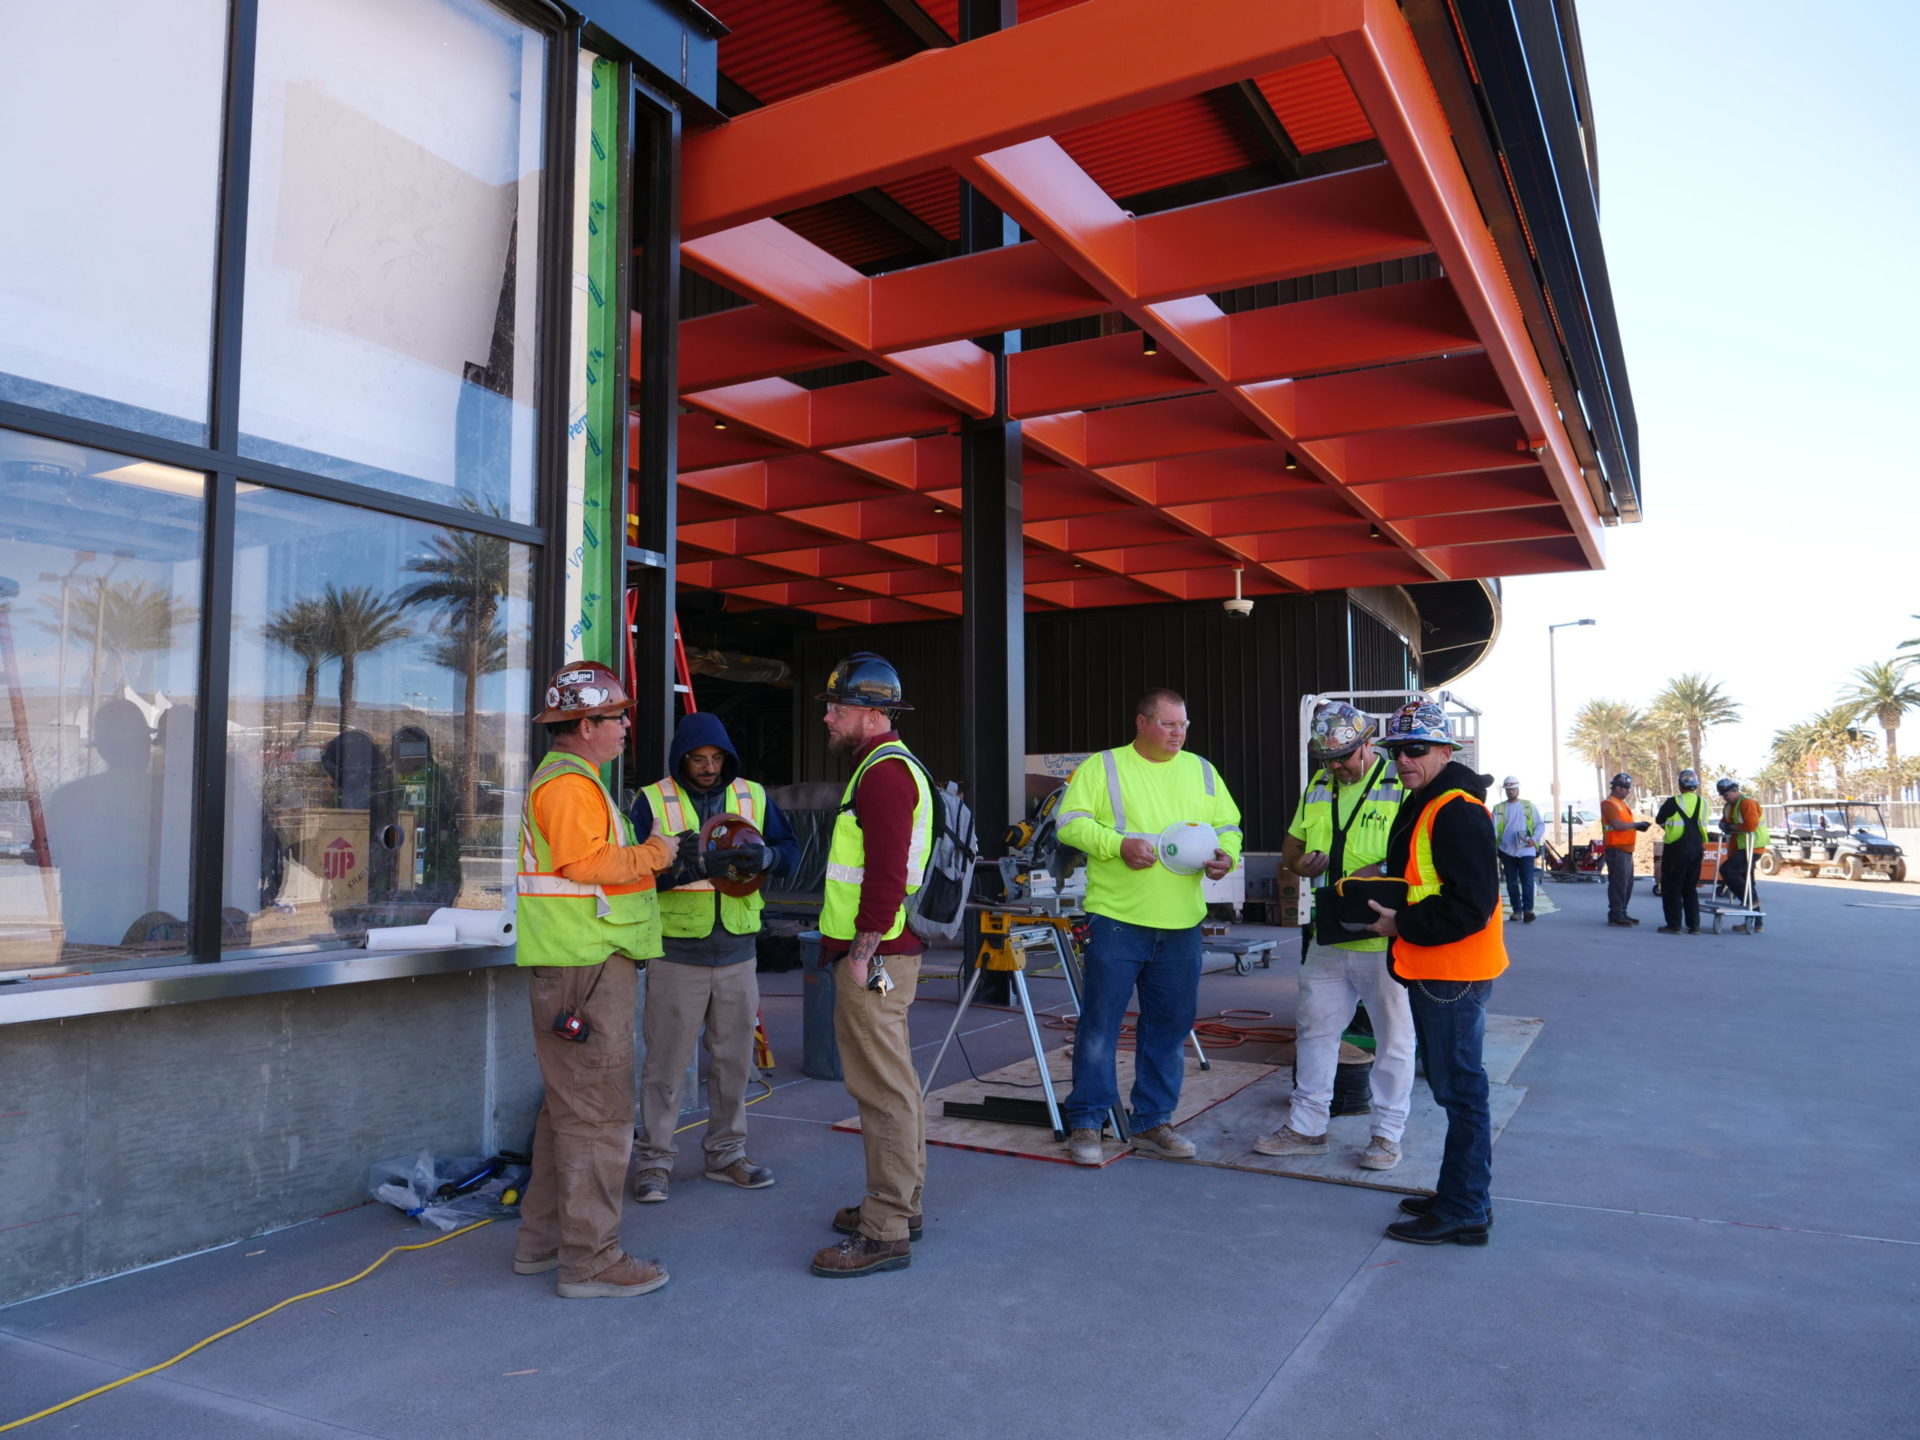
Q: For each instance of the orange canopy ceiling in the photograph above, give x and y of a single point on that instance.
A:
(1365, 408)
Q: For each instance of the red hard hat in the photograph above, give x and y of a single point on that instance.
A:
(726, 832)
(585, 688)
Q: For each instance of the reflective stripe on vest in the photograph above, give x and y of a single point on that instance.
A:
(554, 928)
(847, 850)
(687, 911)
(1319, 815)
(1481, 955)
(1683, 819)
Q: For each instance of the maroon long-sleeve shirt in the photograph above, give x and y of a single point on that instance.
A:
(883, 804)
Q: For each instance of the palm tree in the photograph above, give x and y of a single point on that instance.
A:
(1835, 739)
(1603, 731)
(1881, 692)
(359, 621)
(1900, 650)
(1664, 730)
(1699, 704)
(121, 619)
(466, 575)
(304, 628)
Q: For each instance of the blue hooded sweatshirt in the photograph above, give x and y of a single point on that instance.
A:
(695, 730)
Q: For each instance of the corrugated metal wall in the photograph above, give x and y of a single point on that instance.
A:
(1242, 679)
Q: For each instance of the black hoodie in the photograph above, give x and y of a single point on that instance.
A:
(1463, 852)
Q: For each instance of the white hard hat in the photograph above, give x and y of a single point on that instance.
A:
(1186, 848)
(1512, 782)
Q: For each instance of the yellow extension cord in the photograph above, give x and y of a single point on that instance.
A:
(290, 1300)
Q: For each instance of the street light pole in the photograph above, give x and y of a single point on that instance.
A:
(1553, 719)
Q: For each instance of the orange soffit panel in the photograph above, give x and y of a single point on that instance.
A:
(1313, 384)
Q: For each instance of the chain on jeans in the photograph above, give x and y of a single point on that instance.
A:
(1465, 986)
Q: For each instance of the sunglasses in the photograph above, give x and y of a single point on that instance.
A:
(1414, 751)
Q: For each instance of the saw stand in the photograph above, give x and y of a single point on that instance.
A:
(1017, 936)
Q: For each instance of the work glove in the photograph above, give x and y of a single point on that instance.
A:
(741, 859)
(1644, 825)
(689, 860)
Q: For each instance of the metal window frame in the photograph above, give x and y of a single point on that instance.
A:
(220, 461)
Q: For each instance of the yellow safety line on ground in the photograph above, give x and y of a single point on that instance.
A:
(291, 1299)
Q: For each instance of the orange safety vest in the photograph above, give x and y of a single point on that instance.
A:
(1481, 955)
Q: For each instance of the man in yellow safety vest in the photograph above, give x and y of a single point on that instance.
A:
(882, 838)
(706, 975)
(587, 917)
(1682, 819)
(1144, 909)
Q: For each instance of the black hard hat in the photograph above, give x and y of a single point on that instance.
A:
(1725, 784)
(1623, 779)
(1689, 780)
(864, 678)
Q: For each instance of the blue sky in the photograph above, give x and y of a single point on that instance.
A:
(1758, 196)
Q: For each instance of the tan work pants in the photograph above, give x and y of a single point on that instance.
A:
(584, 1135)
(876, 1056)
(680, 999)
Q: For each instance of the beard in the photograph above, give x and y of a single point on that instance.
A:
(838, 744)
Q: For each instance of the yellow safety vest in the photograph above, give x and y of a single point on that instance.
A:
(686, 911)
(847, 852)
(1366, 842)
(1684, 819)
(562, 922)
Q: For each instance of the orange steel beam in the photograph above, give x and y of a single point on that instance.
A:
(1422, 392)
(1416, 321)
(1388, 76)
(1059, 205)
(981, 294)
(943, 106)
(1084, 373)
(747, 343)
(1471, 494)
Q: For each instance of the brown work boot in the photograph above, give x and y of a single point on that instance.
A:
(847, 1222)
(650, 1186)
(858, 1255)
(1162, 1140)
(625, 1277)
(744, 1173)
(1083, 1148)
(1380, 1154)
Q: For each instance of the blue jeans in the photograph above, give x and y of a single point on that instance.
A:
(1164, 966)
(1519, 870)
(1450, 1023)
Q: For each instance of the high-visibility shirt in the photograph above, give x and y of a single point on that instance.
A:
(847, 851)
(1742, 819)
(1479, 956)
(686, 911)
(585, 887)
(1119, 795)
(1327, 804)
(1686, 817)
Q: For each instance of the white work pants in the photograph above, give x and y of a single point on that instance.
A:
(1332, 981)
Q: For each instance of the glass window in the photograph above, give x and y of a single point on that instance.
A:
(110, 165)
(392, 247)
(99, 661)
(378, 717)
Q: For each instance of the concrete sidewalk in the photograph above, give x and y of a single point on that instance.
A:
(1707, 1227)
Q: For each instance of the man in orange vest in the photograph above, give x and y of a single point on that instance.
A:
(1622, 832)
(1448, 945)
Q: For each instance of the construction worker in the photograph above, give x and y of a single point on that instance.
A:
(1341, 829)
(1682, 818)
(882, 838)
(1746, 835)
(1621, 831)
(706, 975)
(1143, 921)
(1519, 828)
(587, 917)
(1448, 945)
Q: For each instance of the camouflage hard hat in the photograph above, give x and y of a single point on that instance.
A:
(1421, 723)
(1338, 730)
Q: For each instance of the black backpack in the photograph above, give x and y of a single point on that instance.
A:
(937, 909)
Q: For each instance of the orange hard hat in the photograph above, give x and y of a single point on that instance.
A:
(583, 689)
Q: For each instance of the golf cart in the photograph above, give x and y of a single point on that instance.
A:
(1845, 835)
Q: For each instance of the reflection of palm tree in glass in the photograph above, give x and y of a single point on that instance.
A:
(465, 575)
(304, 627)
(359, 621)
(124, 619)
